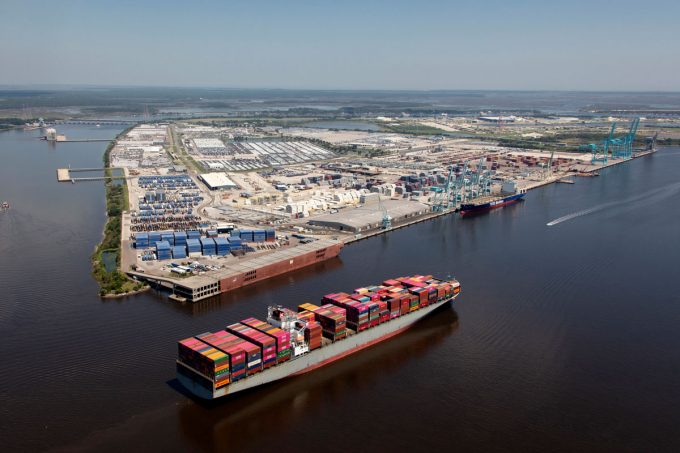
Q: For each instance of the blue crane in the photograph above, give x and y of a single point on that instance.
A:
(623, 147)
(442, 197)
(631, 137)
(601, 153)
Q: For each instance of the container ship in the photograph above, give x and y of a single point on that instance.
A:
(509, 195)
(252, 352)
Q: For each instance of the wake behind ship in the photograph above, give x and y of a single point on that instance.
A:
(254, 352)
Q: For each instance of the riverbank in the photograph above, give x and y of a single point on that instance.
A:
(113, 282)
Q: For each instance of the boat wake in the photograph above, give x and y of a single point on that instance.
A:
(651, 196)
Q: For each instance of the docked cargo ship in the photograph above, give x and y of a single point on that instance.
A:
(253, 352)
(509, 195)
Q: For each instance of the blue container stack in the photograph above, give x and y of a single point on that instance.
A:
(235, 243)
(142, 240)
(193, 234)
(180, 238)
(235, 233)
(194, 245)
(211, 233)
(208, 246)
(270, 233)
(247, 235)
(163, 250)
(154, 236)
(259, 236)
(222, 246)
(168, 236)
(179, 251)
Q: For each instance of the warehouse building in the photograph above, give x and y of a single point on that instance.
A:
(217, 181)
(370, 217)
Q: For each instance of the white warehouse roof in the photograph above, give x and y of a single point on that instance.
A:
(218, 181)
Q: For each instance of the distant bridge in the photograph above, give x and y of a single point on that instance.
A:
(100, 122)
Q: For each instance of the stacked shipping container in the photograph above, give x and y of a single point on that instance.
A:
(208, 246)
(333, 319)
(252, 345)
(193, 247)
(163, 250)
(266, 343)
(142, 240)
(179, 251)
(281, 337)
(205, 359)
(222, 246)
(233, 347)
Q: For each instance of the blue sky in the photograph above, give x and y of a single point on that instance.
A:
(540, 45)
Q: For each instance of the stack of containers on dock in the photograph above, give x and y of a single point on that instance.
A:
(163, 250)
(266, 343)
(235, 243)
(357, 313)
(259, 236)
(234, 347)
(270, 234)
(235, 233)
(154, 236)
(141, 240)
(205, 359)
(168, 236)
(208, 246)
(222, 246)
(193, 234)
(246, 235)
(211, 233)
(194, 247)
(333, 319)
(282, 338)
(180, 238)
(179, 251)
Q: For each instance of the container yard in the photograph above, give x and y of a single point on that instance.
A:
(252, 352)
(202, 223)
(207, 276)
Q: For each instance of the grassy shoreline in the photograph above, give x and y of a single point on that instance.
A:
(114, 282)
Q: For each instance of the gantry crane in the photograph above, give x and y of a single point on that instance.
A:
(548, 170)
(601, 153)
(386, 219)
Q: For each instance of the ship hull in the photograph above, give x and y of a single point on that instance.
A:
(202, 387)
(468, 209)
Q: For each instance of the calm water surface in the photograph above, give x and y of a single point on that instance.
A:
(565, 337)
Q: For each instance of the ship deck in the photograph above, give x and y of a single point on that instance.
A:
(329, 352)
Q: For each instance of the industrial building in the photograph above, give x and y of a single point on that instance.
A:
(247, 271)
(216, 181)
(369, 217)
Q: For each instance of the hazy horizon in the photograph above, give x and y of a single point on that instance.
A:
(68, 86)
(392, 46)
